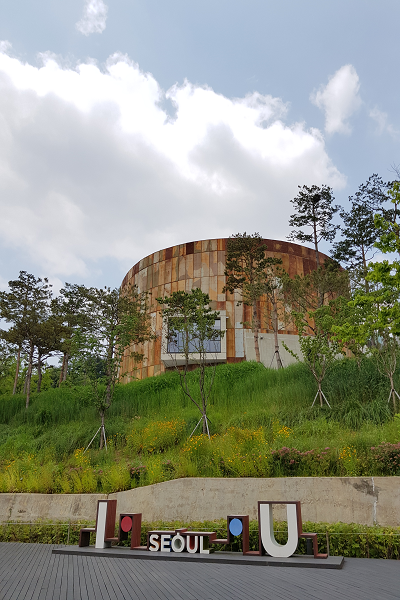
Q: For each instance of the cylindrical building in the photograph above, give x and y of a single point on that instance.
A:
(201, 265)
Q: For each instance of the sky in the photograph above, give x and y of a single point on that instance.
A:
(127, 126)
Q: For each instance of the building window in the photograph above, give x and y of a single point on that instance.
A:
(176, 344)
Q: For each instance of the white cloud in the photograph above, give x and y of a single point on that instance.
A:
(382, 121)
(3, 284)
(5, 46)
(339, 99)
(94, 17)
(92, 167)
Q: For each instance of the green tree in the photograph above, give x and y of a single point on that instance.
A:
(303, 293)
(359, 234)
(386, 274)
(25, 307)
(318, 351)
(190, 326)
(360, 325)
(381, 305)
(7, 365)
(70, 308)
(314, 211)
(13, 339)
(48, 339)
(115, 321)
(245, 273)
(314, 321)
(375, 315)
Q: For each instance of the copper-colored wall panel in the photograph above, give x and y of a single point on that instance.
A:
(213, 261)
(189, 266)
(201, 264)
(230, 313)
(221, 244)
(292, 266)
(156, 269)
(161, 272)
(213, 288)
(175, 269)
(168, 271)
(205, 264)
(197, 265)
(205, 285)
(220, 286)
(221, 263)
(149, 283)
(230, 342)
(182, 268)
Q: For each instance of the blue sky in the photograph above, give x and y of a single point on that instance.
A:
(130, 125)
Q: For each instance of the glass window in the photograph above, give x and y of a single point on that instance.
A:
(176, 343)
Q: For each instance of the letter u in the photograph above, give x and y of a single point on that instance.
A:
(189, 538)
(268, 540)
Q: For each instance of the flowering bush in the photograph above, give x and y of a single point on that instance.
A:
(350, 461)
(236, 453)
(288, 462)
(386, 457)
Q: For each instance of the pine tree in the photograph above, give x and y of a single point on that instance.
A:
(314, 210)
(359, 233)
(26, 306)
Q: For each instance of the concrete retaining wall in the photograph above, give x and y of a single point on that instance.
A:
(29, 508)
(364, 500)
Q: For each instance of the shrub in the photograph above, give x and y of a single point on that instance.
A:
(157, 436)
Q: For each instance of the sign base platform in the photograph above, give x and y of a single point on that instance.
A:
(230, 558)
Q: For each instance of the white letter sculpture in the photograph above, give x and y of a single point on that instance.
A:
(268, 540)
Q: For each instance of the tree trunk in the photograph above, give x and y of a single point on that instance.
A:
(62, 370)
(393, 392)
(320, 394)
(255, 331)
(39, 383)
(17, 371)
(102, 430)
(65, 366)
(365, 269)
(315, 240)
(29, 375)
(275, 328)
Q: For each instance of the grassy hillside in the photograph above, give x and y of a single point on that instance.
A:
(262, 424)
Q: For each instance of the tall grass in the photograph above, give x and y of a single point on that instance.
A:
(246, 396)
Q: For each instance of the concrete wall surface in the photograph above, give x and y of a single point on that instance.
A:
(364, 500)
(29, 508)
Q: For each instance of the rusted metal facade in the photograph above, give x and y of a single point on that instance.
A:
(201, 265)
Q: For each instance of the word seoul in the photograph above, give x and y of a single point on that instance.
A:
(191, 541)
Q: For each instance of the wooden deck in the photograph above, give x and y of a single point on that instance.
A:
(32, 572)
